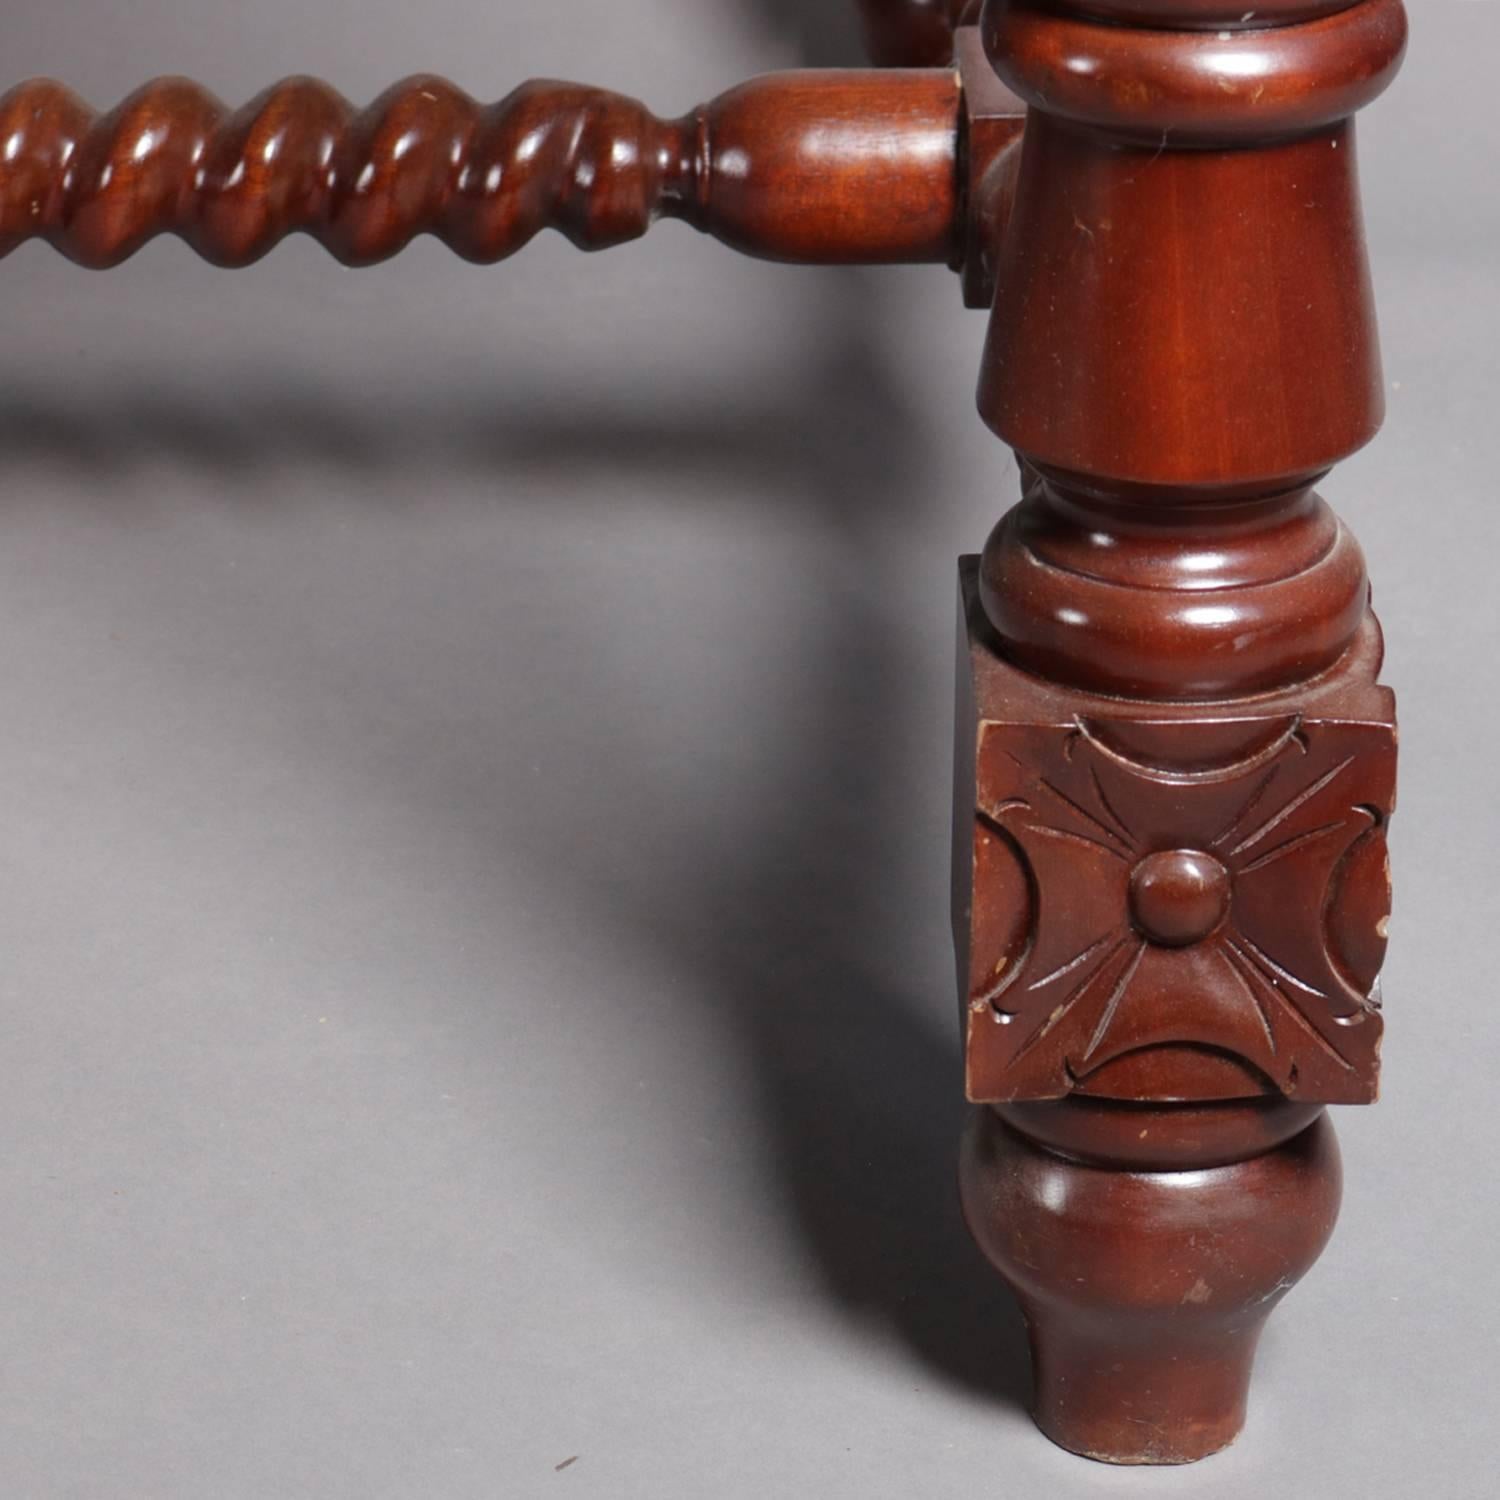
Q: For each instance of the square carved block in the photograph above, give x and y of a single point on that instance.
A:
(1171, 901)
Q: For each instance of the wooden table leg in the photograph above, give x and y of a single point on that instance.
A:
(1176, 765)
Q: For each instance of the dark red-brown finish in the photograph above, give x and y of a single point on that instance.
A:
(1184, 1138)
(1181, 901)
(1146, 1286)
(994, 120)
(1213, 15)
(1193, 597)
(821, 167)
(914, 33)
(1176, 765)
(1196, 86)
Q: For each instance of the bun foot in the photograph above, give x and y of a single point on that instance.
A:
(1146, 1264)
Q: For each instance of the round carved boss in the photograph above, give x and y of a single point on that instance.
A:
(1179, 897)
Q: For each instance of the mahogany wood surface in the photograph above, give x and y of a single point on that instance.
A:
(1146, 1291)
(1176, 765)
(825, 167)
(914, 33)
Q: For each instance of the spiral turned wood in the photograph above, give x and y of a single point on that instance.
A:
(822, 167)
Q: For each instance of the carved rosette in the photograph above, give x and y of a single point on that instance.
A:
(1173, 901)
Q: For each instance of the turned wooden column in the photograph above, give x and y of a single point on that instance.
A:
(1176, 765)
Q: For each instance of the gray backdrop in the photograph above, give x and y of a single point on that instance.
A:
(476, 986)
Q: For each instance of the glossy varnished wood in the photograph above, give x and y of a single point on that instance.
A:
(1251, 83)
(1165, 901)
(844, 166)
(1177, 766)
(1176, 763)
(1214, 15)
(1146, 1290)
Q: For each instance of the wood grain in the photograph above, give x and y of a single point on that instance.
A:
(838, 167)
(1176, 764)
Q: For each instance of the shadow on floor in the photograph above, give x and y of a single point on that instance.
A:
(858, 1083)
